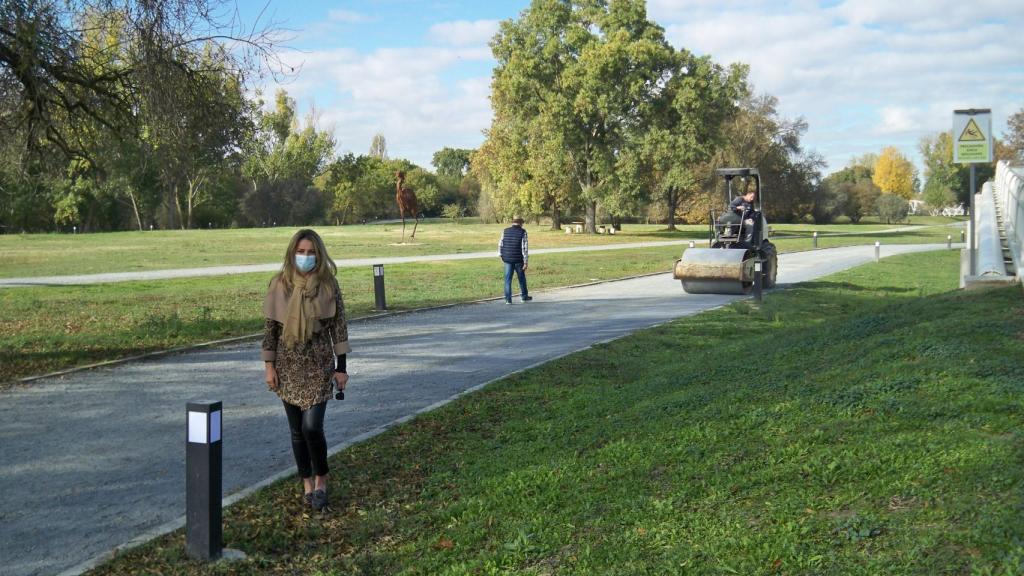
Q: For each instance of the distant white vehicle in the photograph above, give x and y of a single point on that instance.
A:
(957, 210)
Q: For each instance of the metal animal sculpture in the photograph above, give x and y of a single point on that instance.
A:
(406, 200)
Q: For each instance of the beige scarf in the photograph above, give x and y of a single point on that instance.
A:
(300, 310)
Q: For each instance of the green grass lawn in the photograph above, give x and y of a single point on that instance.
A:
(63, 254)
(48, 328)
(866, 423)
(43, 329)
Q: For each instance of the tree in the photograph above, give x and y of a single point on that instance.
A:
(192, 137)
(941, 175)
(379, 147)
(49, 87)
(1014, 137)
(452, 212)
(127, 107)
(584, 73)
(892, 208)
(286, 160)
(452, 162)
(759, 137)
(894, 174)
(686, 126)
(853, 188)
(862, 199)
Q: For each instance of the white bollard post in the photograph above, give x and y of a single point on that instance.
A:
(878, 250)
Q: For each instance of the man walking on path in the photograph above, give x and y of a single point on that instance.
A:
(514, 253)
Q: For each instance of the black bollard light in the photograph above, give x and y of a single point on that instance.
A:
(203, 486)
(878, 251)
(815, 239)
(378, 287)
(949, 241)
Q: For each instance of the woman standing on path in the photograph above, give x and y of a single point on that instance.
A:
(304, 346)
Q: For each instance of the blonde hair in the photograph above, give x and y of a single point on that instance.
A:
(325, 268)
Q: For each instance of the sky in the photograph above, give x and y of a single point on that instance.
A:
(864, 74)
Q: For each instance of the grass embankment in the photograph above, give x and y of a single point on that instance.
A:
(868, 423)
(43, 329)
(64, 254)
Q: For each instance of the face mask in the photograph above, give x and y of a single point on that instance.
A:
(305, 262)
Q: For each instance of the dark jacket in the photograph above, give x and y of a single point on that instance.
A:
(740, 204)
(513, 245)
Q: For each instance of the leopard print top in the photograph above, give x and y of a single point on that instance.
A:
(306, 373)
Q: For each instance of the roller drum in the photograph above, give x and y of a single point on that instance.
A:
(716, 270)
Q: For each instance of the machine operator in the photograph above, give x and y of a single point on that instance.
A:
(743, 204)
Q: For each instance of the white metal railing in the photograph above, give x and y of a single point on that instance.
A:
(1009, 196)
(990, 250)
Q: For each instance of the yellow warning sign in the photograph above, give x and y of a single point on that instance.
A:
(972, 133)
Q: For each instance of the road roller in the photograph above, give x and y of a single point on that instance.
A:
(737, 240)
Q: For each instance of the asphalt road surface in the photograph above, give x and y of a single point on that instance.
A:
(95, 459)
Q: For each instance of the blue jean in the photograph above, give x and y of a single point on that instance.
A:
(516, 267)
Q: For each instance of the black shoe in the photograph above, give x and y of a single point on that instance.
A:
(319, 500)
(308, 498)
(527, 298)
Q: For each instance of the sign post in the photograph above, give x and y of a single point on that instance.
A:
(972, 144)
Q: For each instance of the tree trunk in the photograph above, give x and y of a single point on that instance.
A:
(194, 186)
(171, 201)
(177, 208)
(556, 217)
(590, 221)
(672, 201)
(135, 208)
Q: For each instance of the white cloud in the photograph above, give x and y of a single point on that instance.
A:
(865, 73)
(927, 13)
(898, 120)
(464, 32)
(403, 94)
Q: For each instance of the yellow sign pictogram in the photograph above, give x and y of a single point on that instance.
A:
(972, 133)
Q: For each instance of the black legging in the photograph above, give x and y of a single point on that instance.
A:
(308, 442)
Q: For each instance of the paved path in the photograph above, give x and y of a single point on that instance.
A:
(94, 459)
(356, 262)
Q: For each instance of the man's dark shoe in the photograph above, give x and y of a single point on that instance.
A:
(527, 298)
(319, 500)
(308, 498)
